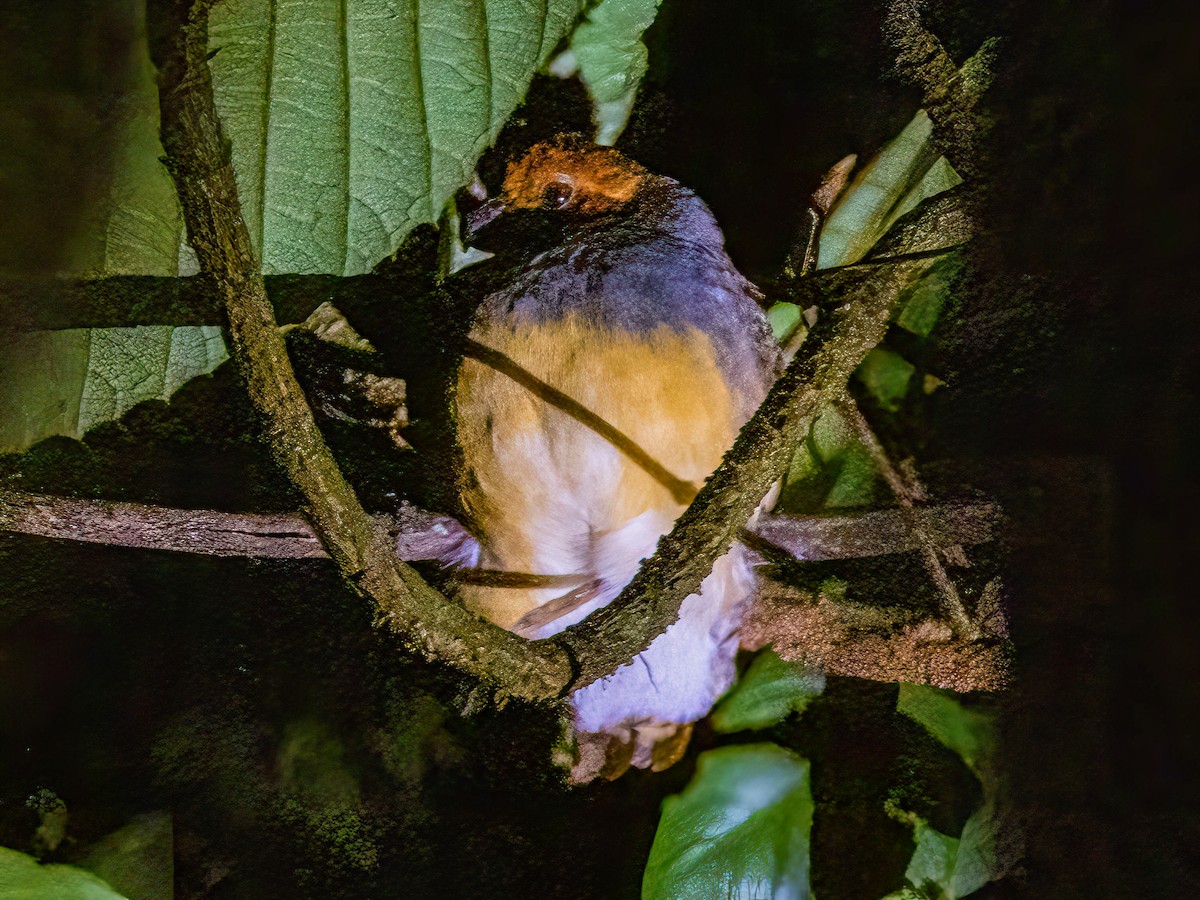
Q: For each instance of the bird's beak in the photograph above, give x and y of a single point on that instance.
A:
(480, 217)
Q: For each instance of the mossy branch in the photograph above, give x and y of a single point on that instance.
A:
(197, 155)
(761, 455)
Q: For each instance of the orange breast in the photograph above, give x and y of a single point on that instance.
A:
(550, 495)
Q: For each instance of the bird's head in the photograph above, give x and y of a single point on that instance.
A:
(553, 188)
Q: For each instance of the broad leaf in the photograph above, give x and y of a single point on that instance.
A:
(64, 382)
(886, 375)
(740, 829)
(768, 692)
(969, 733)
(831, 470)
(608, 54)
(23, 878)
(143, 230)
(353, 123)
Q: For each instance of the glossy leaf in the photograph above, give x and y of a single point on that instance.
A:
(944, 866)
(768, 691)
(23, 878)
(969, 733)
(353, 123)
(740, 829)
(905, 172)
(923, 304)
(785, 318)
(831, 470)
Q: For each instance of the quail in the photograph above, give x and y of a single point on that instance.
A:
(608, 369)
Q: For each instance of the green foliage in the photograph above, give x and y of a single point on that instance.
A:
(969, 733)
(922, 303)
(785, 318)
(353, 124)
(769, 690)
(607, 48)
(144, 232)
(831, 470)
(349, 126)
(905, 172)
(943, 866)
(64, 382)
(23, 878)
(886, 374)
(741, 828)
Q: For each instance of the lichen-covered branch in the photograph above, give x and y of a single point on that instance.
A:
(198, 159)
(951, 93)
(759, 457)
(423, 535)
(882, 645)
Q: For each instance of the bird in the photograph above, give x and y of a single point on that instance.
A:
(608, 367)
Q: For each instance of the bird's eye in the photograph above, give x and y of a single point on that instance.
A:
(557, 194)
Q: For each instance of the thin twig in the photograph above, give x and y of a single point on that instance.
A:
(908, 492)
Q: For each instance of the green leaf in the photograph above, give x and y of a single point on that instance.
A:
(933, 859)
(353, 123)
(23, 878)
(740, 829)
(607, 48)
(143, 230)
(886, 375)
(64, 382)
(923, 301)
(947, 868)
(905, 172)
(942, 865)
(969, 733)
(830, 470)
(785, 318)
(137, 859)
(770, 689)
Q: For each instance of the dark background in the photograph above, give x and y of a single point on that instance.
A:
(1074, 401)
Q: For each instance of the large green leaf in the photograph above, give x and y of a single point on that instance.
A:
(23, 878)
(142, 230)
(969, 733)
(64, 382)
(351, 123)
(831, 470)
(769, 690)
(740, 829)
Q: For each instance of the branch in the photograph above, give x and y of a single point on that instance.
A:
(612, 636)
(951, 93)
(423, 535)
(908, 491)
(120, 301)
(198, 159)
(877, 533)
(844, 639)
